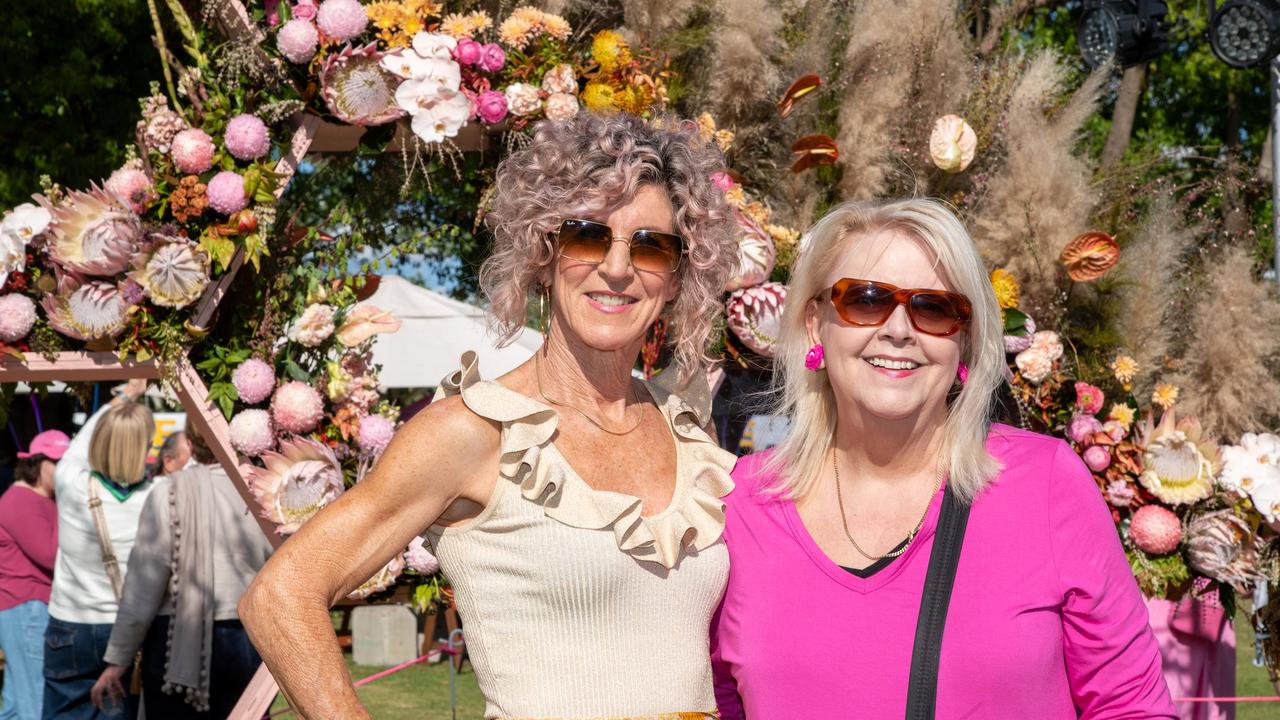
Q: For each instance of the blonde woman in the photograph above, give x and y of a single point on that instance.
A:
(895, 510)
(106, 460)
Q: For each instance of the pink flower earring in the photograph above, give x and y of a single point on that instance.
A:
(813, 360)
(962, 373)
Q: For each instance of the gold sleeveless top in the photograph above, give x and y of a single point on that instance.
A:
(573, 604)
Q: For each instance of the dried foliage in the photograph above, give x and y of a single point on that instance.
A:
(745, 73)
(1233, 333)
(653, 18)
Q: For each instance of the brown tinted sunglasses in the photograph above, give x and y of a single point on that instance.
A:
(589, 241)
(868, 304)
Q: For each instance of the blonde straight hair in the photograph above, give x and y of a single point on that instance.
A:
(806, 396)
(121, 442)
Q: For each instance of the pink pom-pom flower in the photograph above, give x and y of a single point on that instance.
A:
(1081, 429)
(192, 151)
(17, 317)
(467, 51)
(133, 187)
(251, 432)
(298, 40)
(226, 193)
(254, 381)
(491, 107)
(1098, 458)
(342, 19)
(296, 407)
(246, 137)
(1088, 398)
(418, 557)
(375, 433)
(1155, 529)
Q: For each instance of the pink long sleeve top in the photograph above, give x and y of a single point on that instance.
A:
(1045, 620)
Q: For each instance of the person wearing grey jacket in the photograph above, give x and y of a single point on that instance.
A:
(197, 550)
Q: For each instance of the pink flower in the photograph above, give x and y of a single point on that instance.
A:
(17, 316)
(1034, 364)
(1119, 494)
(254, 381)
(492, 58)
(491, 106)
(296, 407)
(298, 40)
(419, 558)
(1155, 529)
(1014, 344)
(1098, 458)
(722, 180)
(226, 193)
(375, 433)
(273, 12)
(560, 79)
(1115, 429)
(246, 137)
(561, 107)
(133, 187)
(314, 326)
(251, 432)
(468, 51)
(522, 99)
(1088, 398)
(363, 322)
(305, 10)
(1081, 429)
(342, 19)
(192, 151)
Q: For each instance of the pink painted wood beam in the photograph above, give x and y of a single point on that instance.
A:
(257, 697)
(78, 366)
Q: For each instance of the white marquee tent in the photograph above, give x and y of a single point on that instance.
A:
(434, 332)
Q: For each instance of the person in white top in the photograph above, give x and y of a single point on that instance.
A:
(576, 511)
(107, 460)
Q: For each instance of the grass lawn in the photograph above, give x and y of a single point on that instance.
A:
(422, 692)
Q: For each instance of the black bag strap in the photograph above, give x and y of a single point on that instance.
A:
(922, 683)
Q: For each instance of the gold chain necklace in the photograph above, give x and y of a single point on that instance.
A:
(843, 521)
(537, 372)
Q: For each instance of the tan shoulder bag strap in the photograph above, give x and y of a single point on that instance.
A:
(104, 538)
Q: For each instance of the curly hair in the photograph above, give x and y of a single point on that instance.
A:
(586, 167)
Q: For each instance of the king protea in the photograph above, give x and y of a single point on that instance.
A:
(296, 483)
(93, 234)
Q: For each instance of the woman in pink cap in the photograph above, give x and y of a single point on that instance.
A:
(28, 544)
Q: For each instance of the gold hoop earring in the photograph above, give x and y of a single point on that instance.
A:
(542, 310)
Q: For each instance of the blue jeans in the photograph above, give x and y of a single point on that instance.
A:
(233, 663)
(22, 640)
(72, 663)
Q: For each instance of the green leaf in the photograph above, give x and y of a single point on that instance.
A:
(376, 139)
(219, 248)
(295, 371)
(1015, 322)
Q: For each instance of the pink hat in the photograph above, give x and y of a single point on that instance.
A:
(50, 443)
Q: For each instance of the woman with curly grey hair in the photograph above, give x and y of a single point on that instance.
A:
(575, 510)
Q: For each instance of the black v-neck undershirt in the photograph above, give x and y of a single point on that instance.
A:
(878, 565)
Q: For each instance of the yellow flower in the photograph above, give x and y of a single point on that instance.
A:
(456, 25)
(478, 21)
(599, 97)
(706, 127)
(735, 196)
(516, 32)
(1165, 395)
(1121, 413)
(634, 99)
(724, 138)
(610, 50)
(528, 13)
(555, 26)
(1125, 368)
(1006, 287)
(782, 236)
(758, 213)
(422, 8)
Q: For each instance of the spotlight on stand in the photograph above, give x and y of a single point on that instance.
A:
(1127, 32)
(1245, 33)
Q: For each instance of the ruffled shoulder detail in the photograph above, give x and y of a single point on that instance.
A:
(693, 521)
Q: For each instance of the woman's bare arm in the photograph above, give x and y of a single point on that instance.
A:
(444, 454)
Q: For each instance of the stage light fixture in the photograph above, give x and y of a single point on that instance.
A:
(1127, 32)
(1245, 33)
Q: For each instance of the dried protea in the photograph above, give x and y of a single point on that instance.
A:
(357, 89)
(381, 580)
(296, 483)
(756, 255)
(1222, 546)
(1178, 467)
(87, 310)
(755, 316)
(93, 233)
(172, 271)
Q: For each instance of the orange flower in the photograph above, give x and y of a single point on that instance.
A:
(1090, 256)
